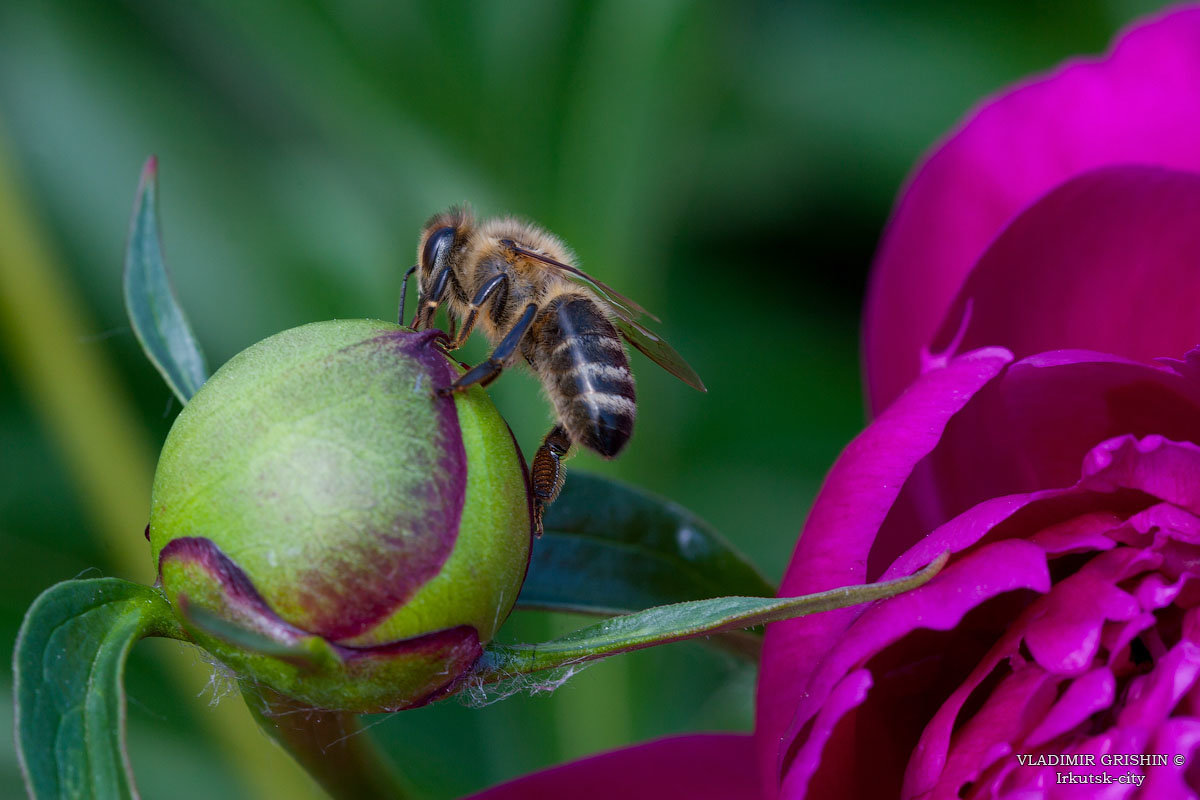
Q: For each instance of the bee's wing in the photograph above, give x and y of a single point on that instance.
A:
(623, 305)
(649, 343)
(657, 350)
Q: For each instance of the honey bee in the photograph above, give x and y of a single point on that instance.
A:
(517, 282)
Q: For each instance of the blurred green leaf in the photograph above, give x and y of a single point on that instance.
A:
(674, 623)
(158, 320)
(70, 697)
(612, 549)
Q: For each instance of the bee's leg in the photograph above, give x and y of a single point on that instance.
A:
(427, 307)
(487, 371)
(404, 293)
(499, 283)
(546, 475)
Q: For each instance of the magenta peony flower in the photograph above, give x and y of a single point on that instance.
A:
(1065, 481)
(1029, 349)
(1065, 484)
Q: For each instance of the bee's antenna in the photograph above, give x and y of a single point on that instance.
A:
(404, 294)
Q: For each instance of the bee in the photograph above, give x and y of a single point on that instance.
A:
(518, 284)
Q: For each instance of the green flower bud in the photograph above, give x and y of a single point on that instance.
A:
(320, 493)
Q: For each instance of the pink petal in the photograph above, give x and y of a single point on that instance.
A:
(1158, 519)
(1064, 636)
(841, 528)
(1087, 532)
(1085, 267)
(1029, 430)
(1151, 698)
(1008, 779)
(1086, 695)
(928, 759)
(1113, 741)
(1140, 104)
(1191, 626)
(1142, 728)
(939, 605)
(703, 767)
(1155, 465)
(1033, 516)
(847, 694)
(994, 731)
(1058, 611)
(1175, 737)
(1117, 636)
(1154, 592)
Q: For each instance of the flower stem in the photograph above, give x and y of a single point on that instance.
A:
(332, 746)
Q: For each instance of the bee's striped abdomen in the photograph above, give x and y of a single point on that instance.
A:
(587, 374)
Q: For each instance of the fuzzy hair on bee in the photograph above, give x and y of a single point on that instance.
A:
(519, 285)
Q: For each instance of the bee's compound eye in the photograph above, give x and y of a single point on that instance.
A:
(437, 246)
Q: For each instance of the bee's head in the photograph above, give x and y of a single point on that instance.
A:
(442, 241)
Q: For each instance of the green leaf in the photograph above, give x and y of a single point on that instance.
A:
(611, 549)
(158, 320)
(70, 698)
(675, 623)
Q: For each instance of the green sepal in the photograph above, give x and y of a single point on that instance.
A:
(154, 311)
(309, 652)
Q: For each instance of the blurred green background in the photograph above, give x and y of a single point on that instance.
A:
(728, 165)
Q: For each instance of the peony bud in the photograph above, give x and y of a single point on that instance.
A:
(318, 493)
